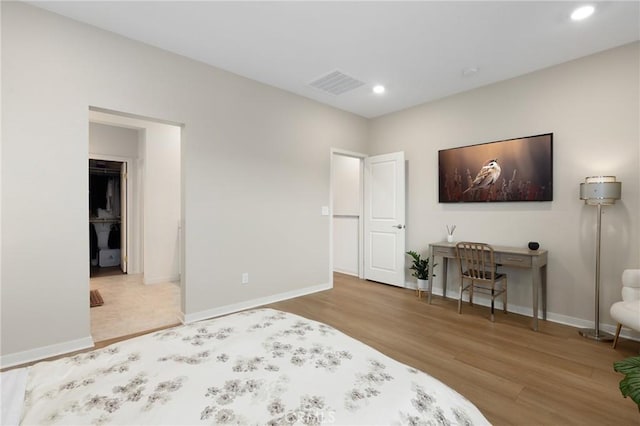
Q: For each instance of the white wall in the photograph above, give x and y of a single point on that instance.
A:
(347, 204)
(592, 107)
(255, 172)
(346, 247)
(161, 203)
(105, 139)
(346, 191)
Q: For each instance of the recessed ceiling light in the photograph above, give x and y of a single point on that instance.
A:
(378, 89)
(582, 12)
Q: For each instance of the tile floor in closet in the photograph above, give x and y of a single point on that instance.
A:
(130, 306)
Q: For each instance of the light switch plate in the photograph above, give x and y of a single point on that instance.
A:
(325, 211)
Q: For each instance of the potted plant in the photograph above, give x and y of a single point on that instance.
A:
(630, 385)
(420, 268)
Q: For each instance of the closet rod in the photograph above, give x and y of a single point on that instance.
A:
(104, 220)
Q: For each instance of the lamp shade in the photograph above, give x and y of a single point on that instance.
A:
(602, 190)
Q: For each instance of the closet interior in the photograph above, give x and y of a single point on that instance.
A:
(105, 216)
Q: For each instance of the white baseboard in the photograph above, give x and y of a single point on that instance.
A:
(36, 354)
(551, 316)
(248, 304)
(160, 280)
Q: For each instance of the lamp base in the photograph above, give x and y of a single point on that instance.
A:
(601, 336)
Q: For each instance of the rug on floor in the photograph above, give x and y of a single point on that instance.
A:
(95, 299)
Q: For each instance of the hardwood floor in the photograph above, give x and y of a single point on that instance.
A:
(513, 374)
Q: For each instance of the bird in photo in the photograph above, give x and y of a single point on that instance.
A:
(487, 176)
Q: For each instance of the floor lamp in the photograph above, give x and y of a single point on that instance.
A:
(599, 191)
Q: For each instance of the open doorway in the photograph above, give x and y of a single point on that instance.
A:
(135, 221)
(367, 227)
(347, 212)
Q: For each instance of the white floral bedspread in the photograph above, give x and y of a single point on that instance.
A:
(257, 367)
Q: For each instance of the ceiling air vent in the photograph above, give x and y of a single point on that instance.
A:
(336, 83)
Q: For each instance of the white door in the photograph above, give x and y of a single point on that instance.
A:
(384, 218)
(123, 217)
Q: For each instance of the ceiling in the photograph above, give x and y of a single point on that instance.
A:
(418, 50)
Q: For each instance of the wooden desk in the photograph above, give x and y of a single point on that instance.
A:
(505, 256)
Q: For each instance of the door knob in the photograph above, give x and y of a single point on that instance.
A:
(398, 226)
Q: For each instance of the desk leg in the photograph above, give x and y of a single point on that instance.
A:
(445, 268)
(543, 288)
(535, 282)
(430, 274)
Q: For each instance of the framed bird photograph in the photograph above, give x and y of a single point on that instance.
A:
(509, 170)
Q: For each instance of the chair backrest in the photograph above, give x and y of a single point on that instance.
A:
(631, 284)
(476, 260)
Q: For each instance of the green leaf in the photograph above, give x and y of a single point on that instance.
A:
(627, 365)
(413, 254)
(419, 265)
(630, 385)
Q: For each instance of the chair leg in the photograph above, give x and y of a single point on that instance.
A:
(615, 338)
(471, 293)
(493, 301)
(460, 296)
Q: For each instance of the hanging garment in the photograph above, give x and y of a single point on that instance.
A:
(110, 194)
(93, 241)
(116, 198)
(114, 236)
(98, 192)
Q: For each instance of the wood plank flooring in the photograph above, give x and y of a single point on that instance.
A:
(513, 374)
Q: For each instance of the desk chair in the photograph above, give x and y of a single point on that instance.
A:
(478, 270)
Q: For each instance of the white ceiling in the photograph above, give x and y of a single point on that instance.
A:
(418, 50)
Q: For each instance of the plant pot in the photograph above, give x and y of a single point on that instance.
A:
(423, 285)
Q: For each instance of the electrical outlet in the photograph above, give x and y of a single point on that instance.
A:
(245, 278)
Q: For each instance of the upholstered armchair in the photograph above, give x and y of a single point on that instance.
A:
(627, 312)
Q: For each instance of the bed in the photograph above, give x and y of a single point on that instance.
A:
(257, 367)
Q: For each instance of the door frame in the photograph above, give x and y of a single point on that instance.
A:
(361, 157)
(128, 161)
